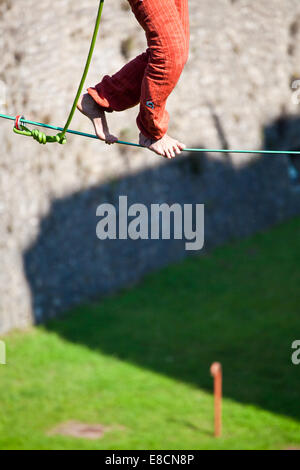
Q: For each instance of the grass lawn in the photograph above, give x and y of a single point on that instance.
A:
(138, 362)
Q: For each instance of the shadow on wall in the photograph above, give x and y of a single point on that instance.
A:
(284, 134)
(67, 264)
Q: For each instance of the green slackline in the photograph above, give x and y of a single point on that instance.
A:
(92, 136)
(60, 137)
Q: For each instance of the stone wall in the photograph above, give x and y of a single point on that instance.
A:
(234, 93)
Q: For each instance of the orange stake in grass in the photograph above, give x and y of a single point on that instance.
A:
(216, 372)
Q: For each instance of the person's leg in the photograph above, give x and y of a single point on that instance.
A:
(183, 10)
(154, 73)
(116, 93)
(123, 89)
(166, 30)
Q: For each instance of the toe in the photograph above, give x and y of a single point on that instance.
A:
(111, 139)
(171, 153)
(168, 154)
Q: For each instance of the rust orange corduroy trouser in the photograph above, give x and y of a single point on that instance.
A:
(149, 79)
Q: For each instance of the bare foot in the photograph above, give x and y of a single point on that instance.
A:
(87, 106)
(166, 146)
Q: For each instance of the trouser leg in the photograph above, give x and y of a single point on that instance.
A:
(150, 78)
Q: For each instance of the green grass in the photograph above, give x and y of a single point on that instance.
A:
(138, 362)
